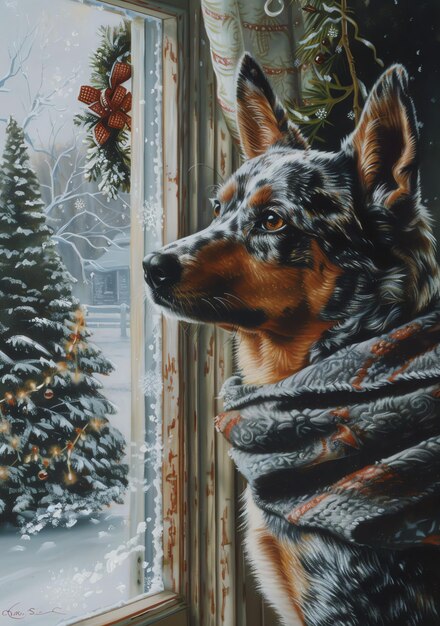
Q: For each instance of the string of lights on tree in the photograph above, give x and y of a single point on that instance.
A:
(57, 444)
(20, 397)
(107, 120)
(326, 50)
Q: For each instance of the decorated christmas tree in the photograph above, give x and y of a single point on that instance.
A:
(59, 456)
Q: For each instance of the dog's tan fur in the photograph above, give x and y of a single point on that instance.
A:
(293, 300)
(282, 346)
(265, 356)
(276, 564)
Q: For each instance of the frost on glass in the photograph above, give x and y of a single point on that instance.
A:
(80, 495)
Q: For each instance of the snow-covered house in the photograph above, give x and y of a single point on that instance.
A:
(109, 275)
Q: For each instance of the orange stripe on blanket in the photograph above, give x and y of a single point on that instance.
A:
(298, 512)
(225, 422)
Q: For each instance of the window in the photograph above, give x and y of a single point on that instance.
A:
(194, 552)
(84, 500)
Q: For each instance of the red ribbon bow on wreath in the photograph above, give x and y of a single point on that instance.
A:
(111, 105)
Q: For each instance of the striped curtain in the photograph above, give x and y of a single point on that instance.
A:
(236, 26)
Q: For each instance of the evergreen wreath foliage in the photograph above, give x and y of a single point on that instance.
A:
(108, 163)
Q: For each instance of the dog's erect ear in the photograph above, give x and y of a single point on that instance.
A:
(385, 140)
(261, 119)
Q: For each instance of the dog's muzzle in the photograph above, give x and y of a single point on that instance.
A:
(162, 270)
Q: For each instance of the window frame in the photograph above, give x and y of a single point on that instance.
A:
(166, 608)
(205, 578)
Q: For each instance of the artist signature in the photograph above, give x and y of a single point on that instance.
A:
(17, 611)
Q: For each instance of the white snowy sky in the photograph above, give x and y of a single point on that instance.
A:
(65, 36)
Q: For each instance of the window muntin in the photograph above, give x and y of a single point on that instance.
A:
(57, 572)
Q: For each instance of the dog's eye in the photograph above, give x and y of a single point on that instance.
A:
(272, 221)
(216, 206)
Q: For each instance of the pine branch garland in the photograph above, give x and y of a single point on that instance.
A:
(326, 50)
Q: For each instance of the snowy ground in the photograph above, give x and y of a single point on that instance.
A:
(64, 572)
(117, 385)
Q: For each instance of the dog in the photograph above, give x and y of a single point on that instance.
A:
(309, 252)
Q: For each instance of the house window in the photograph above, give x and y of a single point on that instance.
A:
(81, 385)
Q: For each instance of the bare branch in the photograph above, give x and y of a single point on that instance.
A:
(80, 257)
(68, 236)
(62, 165)
(41, 101)
(90, 214)
(18, 57)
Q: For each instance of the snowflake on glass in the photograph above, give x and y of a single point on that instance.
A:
(321, 113)
(350, 115)
(152, 383)
(151, 216)
(333, 32)
(339, 49)
(80, 204)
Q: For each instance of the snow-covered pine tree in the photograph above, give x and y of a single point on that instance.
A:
(58, 452)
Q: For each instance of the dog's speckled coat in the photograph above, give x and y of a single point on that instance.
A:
(309, 252)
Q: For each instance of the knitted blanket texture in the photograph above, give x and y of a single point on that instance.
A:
(350, 444)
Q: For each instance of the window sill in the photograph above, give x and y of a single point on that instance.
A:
(143, 610)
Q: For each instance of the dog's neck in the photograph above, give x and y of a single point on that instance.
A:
(276, 351)
(265, 357)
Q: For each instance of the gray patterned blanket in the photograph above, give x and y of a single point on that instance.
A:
(350, 444)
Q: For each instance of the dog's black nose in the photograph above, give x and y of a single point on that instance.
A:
(161, 269)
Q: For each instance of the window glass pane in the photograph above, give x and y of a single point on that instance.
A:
(151, 220)
(80, 351)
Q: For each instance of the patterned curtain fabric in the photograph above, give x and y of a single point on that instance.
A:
(236, 26)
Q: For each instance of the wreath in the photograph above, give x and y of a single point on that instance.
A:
(106, 120)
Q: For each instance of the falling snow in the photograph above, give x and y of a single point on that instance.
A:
(151, 216)
(151, 383)
(103, 549)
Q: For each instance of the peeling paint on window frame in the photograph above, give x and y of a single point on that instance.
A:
(205, 579)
